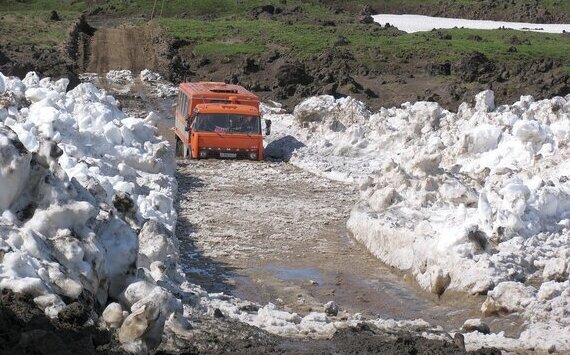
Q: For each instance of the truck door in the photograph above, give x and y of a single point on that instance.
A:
(192, 134)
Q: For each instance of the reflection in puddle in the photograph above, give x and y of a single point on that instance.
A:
(286, 273)
(381, 294)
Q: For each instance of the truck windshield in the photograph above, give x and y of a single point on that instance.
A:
(227, 123)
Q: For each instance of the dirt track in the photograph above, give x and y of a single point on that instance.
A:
(121, 48)
(270, 232)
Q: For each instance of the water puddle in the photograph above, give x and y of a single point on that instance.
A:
(286, 273)
(381, 294)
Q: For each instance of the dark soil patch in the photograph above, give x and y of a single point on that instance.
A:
(24, 329)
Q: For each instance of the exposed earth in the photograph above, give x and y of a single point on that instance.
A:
(100, 42)
(24, 329)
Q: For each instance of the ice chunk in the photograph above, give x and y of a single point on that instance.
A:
(14, 167)
(508, 297)
(485, 101)
(113, 315)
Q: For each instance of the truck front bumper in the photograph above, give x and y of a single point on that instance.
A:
(224, 153)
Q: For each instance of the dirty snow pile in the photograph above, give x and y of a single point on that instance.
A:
(122, 82)
(120, 76)
(158, 86)
(86, 206)
(316, 325)
(148, 75)
(475, 201)
(323, 136)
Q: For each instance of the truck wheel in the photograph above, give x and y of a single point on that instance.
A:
(179, 149)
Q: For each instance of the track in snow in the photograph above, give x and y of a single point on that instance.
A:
(271, 232)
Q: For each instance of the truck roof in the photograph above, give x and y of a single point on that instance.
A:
(216, 89)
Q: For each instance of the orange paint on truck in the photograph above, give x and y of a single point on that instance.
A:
(218, 120)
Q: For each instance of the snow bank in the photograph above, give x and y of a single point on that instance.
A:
(86, 196)
(418, 23)
(475, 201)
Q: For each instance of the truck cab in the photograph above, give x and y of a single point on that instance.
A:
(218, 120)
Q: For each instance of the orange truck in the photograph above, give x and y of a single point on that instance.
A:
(218, 120)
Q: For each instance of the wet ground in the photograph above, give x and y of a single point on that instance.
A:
(270, 232)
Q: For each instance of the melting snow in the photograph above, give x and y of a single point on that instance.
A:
(419, 23)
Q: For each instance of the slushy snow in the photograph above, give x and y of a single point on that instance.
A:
(476, 201)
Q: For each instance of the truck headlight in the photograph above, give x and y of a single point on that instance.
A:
(253, 155)
(203, 154)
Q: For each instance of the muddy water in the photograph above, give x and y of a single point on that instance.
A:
(374, 290)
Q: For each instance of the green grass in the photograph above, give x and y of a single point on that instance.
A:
(34, 28)
(304, 40)
(221, 8)
(210, 49)
(173, 8)
(494, 44)
(228, 32)
(59, 5)
(551, 5)
(299, 39)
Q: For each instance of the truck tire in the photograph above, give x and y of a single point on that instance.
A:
(179, 149)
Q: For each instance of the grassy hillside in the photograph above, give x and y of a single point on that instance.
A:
(505, 9)
(34, 27)
(227, 36)
(225, 27)
(338, 53)
(27, 5)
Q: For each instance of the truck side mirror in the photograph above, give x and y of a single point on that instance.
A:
(267, 127)
(189, 123)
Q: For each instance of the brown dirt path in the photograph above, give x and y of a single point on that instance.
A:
(126, 47)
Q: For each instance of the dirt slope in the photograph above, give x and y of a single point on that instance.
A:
(124, 47)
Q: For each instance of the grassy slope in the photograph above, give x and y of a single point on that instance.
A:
(34, 27)
(227, 35)
(226, 7)
(27, 5)
(455, 5)
(27, 22)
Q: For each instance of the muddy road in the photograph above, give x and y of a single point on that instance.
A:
(271, 232)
